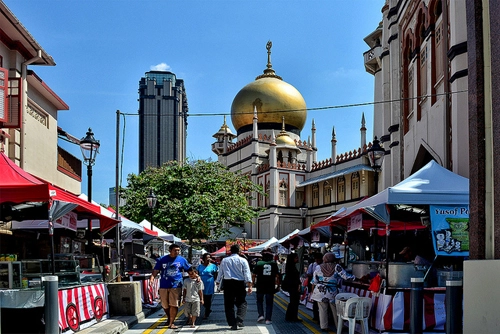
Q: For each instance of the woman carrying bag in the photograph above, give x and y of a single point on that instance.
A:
(325, 283)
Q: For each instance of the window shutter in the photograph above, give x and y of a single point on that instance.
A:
(14, 102)
(3, 95)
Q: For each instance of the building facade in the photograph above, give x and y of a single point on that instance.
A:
(269, 116)
(163, 111)
(418, 57)
(29, 109)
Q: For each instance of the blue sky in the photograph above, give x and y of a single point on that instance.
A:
(103, 48)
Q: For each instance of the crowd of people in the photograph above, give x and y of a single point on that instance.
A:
(237, 278)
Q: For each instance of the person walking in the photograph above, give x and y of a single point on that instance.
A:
(317, 260)
(234, 273)
(266, 279)
(170, 268)
(208, 272)
(192, 296)
(292, 284)
(326, 282)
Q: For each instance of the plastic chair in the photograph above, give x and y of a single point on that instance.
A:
(340, 301)
(356, 309)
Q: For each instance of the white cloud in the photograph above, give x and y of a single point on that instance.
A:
(161, 67)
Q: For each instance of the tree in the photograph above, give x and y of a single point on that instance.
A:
(195, 200)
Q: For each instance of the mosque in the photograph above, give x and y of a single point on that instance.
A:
(268, 116)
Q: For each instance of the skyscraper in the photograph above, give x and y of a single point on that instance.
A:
(163, 111)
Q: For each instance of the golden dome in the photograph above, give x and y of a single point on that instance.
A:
(285, 140)
(273, 98)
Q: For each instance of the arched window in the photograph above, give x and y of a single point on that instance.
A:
(260, 201)
(290, 157)
(280, 156)
(437, 49)
(355, 185)
(341, 189)
(327, 193)
(268, 192)
(283, 200)
(315, 194)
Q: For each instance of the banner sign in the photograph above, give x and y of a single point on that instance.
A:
(68, 221)
(355, 223)
(315, 236)
(450, 230)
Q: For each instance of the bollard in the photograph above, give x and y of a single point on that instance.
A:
(51, 317)
(417, 304)
(454, 312)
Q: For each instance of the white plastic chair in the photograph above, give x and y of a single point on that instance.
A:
(356, 309)
(340, 300)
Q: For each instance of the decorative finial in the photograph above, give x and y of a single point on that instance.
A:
(268, 47)
(282, 123)
(269, 72)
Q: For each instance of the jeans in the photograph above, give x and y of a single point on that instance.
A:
(234, 295)
(269, 297)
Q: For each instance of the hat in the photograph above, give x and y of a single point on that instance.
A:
(405, 250)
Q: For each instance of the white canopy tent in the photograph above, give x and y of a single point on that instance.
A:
(161, 234)
(288, 236)
(268, 244)
(431, 185)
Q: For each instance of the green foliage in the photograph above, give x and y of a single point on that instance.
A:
(195, 200)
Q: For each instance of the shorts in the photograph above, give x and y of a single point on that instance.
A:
(170, 297)
(192, 308)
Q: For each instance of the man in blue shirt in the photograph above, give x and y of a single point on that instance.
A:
(170, 268)
(234, 272)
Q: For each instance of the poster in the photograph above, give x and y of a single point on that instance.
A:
(450, 229)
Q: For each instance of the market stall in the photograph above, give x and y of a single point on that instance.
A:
(36, 253)
(427, 213)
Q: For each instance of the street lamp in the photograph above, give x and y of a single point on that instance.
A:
(376, 156)
(244, 235)
(90, 147)
(303, 213)
(151, 204)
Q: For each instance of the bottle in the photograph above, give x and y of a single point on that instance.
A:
(25, 283)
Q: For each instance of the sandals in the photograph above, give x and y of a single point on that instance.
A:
(173, 327)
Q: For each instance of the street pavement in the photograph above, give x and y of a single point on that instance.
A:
(156, 322)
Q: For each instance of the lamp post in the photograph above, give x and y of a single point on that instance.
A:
(151, 204)
(89, 147)
(376, 156)
(303, 213)
(244, 235)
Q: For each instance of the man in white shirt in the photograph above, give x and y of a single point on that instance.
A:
(234, 272)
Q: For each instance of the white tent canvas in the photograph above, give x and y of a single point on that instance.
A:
(431, 185)
(161, 234)
(268, 244)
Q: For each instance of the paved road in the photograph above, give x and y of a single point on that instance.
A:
(156, 322)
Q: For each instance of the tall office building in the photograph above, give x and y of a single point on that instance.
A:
(163, 111)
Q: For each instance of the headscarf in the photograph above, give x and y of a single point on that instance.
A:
(328, 265)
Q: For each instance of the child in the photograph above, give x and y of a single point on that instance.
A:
(192, 296)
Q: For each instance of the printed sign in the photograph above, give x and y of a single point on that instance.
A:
(450, 230)
(355, 223)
